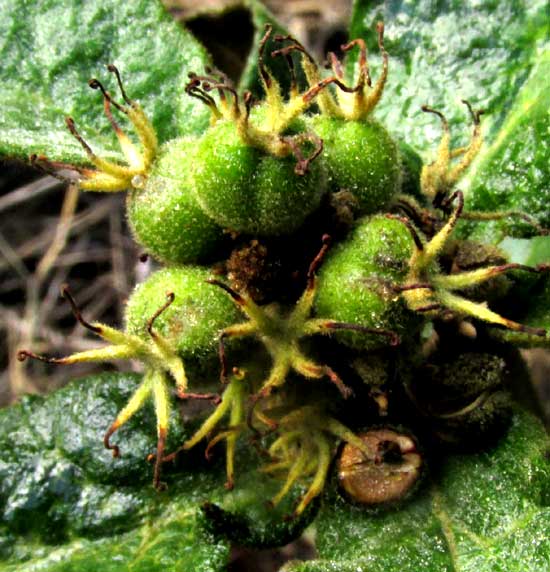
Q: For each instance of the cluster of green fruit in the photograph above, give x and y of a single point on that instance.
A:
(263, 181)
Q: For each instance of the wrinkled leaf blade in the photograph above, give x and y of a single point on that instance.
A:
(68, 505)
(174, 541)
(513, 172)
(442, 53)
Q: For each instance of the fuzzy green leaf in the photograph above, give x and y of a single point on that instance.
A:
(493, 54)
(484, 512)
(68, 505)
(513, 172)
(51, 48)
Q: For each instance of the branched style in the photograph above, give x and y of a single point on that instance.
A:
(426, 289)
(281, 333)
(351, 103)
(305, 435)
(161, 336)
(108, 176)
(429, 291)
(233, 402)
(359, 154)
(264, 128)
(158, 357)
(438, 178)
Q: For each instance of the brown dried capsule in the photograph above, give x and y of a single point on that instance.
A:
(387, 475)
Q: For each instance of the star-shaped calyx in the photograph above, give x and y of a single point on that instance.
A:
(304, 448)
(233, 404)
(426, 289)
(282, 331)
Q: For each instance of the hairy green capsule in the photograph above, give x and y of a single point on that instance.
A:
(361, 157)
(355, 283)
(245, 189)
(193, 322)
(370, 276)
(172, 318)
(165, 216)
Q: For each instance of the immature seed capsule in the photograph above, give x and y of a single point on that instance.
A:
(356, 282)
(386, 477)
(193, 322)
(165, 216)
(255, 168)
(359, 153)
(163, 213)
(381, 279)
(243, 188)
(173, 319)
(361, 157)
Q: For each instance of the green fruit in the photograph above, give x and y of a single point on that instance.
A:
(248, 190)
(165, 217)
(163, 213)
(355, 283)
(193, 322)
(361, 157)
